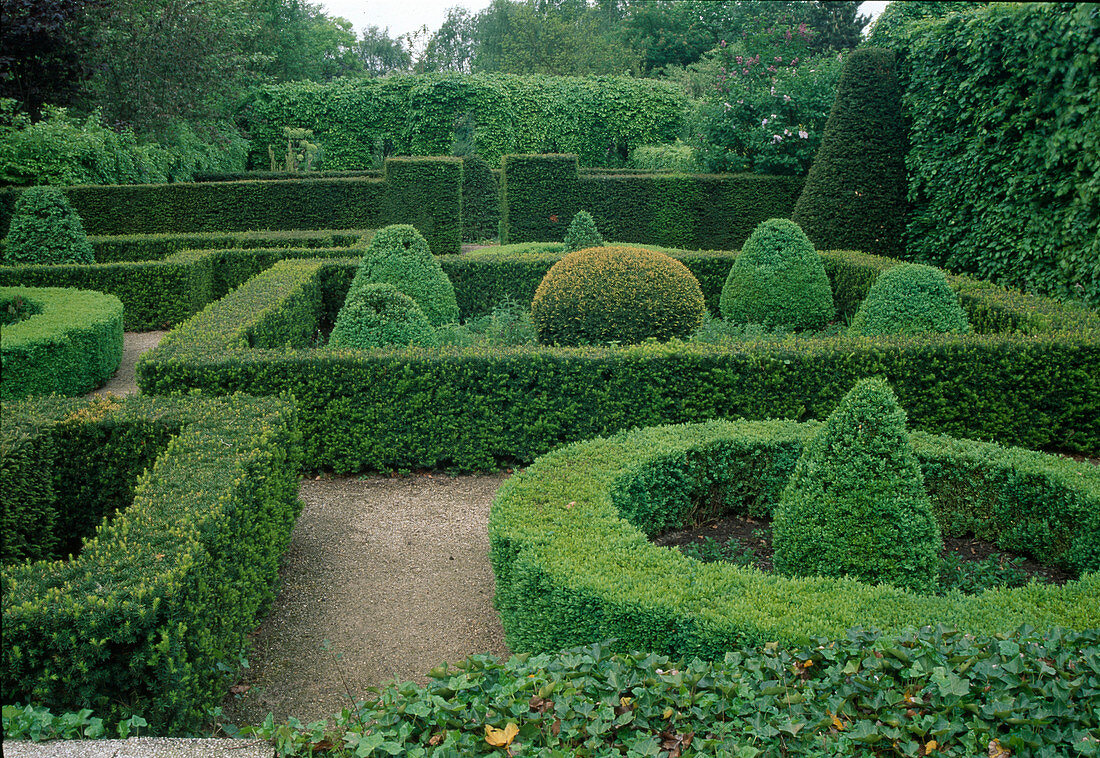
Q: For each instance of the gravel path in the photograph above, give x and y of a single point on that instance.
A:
(124, 381)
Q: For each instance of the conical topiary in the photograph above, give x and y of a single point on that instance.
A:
(777, 280)
(46, 229)
(855, 194)
(582, 233)
(376, 315)
(909, 299)
(856, 504)
(400, 256)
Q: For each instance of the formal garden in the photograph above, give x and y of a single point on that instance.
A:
(870, 366)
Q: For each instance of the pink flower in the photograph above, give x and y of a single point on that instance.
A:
(777, 138)
(786, 98)
(803, 133)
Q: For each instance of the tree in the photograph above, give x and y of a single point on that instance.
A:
(380, 54)
(299, 41)
(451, 47)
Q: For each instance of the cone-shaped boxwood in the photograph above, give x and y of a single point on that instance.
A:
(582, 233)
(856, 503)
(908, 299)
(378, 314)
(778, 279)
(400, 256)
(855, 194)
(46, 229)
(623, 294)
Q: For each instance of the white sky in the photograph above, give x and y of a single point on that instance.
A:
(402, 16)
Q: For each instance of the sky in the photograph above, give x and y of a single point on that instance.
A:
(402, 16)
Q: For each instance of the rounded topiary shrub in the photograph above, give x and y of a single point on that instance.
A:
(45, 229)
(376, 315)
(855, 194)
(778, 280)
(616, 294)
(582, 233)
(855, 504)
(908, 299)
(399, 255)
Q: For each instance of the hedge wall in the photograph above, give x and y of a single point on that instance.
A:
(574, 566)
(425, 192)
(1030, 376)
(541, 193)
(359, 121)
(159, 603)
(70, 344)
(149, 247)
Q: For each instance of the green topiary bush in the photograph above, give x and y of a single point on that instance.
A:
(582, 233)
(400, 256)
(623, 294)
(855, 194)
(778, 280)
(46, 229)
(856, 503)
(908, 299)
(378, 314)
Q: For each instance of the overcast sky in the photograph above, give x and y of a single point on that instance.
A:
(402, 16)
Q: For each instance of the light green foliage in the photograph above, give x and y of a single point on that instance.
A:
(582, 233)
(910, 299)
(678, 156)
(399, 255)
(377, 315)
(855, 504)
(45, 229)
(778, 280)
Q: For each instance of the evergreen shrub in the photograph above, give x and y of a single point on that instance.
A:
(480, 200)
(582, 233)
(856, 504)
(45, 229)
(778, 279)
(909, 299)
(620, 294)
(377, 315)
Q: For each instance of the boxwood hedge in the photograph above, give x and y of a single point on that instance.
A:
(573, 564)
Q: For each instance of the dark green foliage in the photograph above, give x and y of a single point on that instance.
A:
(854, 197)
(28, 516)
(46, 229)
(855, 504)
(399, 255)
(909, 299)
(70, 346)
(778, 280)
(150, 247)
(582, 233)
(480, 200)
(619, 294)
(377, 315)
(540, 193)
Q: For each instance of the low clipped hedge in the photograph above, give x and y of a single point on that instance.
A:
(1029, 375)
(573, 564)
(159, 602)
(70, 345)
(148, 247)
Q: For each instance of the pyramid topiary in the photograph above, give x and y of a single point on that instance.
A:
(777, 280)
(908, 299)
(856, 504)
(582, 233)
(45, 229)
(400, 256)
(376, 315)
(854, 197)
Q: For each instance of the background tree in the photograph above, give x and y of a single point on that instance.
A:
(301, 42)
(379, 54)
(451, 47)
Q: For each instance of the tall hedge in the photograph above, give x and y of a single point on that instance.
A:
(854, 196)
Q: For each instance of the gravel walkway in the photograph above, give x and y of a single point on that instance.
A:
(124, 381)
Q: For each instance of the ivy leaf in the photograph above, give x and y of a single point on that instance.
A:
(501, 737)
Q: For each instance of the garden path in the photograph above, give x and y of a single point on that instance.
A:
(124, 381)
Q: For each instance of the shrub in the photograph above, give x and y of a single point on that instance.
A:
(582, 233)
(855, 194)
(378, 315)
(778, 280)
(855, 504)
(620, 294)
(909, 299)
(46, 229)
(480, 200)
(399, 255)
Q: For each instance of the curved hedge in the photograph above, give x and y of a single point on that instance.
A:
(70, 346)
(573, 565)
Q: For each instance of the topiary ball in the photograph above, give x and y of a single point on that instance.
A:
(856, 503)
(778, 280)
(582, 233)
(909, 299)
(621, 294)
(46, 229)
(399, 255)
(377, 315)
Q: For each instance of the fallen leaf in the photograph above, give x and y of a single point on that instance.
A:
(540, 704)
(239, 689)
(930, 746)
(996, 751)
(556, 728)
(501, 737)
(840, 725)
(437, 738)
